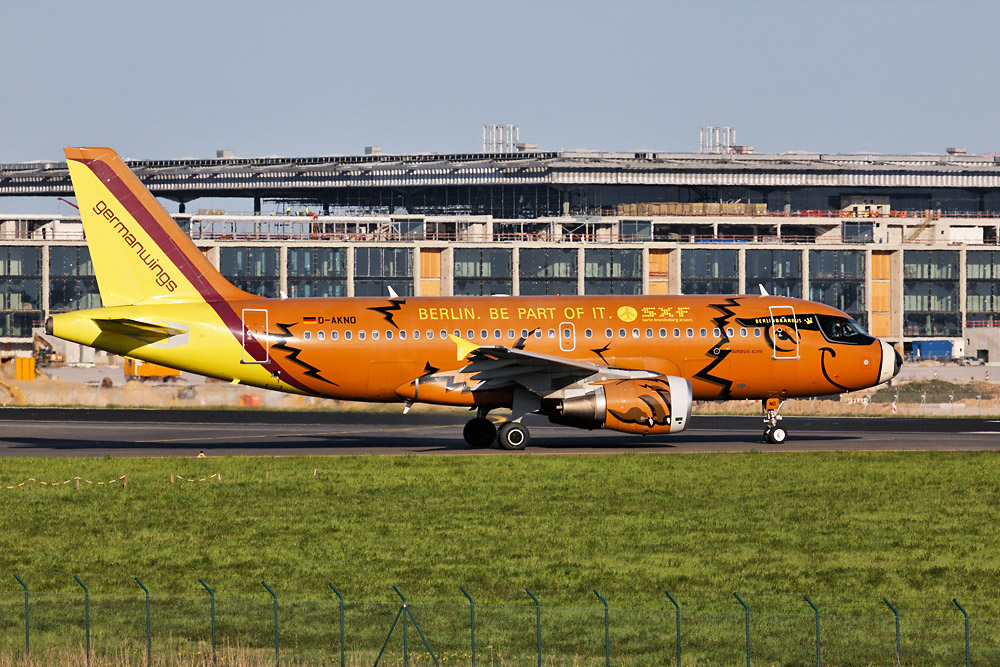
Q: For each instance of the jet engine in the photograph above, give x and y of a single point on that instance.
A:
(645, 406)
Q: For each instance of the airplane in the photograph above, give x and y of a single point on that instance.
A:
(632, 364)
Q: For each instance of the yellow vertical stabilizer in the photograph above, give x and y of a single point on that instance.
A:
(140, 255)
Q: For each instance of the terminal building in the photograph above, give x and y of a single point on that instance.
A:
(908, 245)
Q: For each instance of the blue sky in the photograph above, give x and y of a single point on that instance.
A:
(182, 79)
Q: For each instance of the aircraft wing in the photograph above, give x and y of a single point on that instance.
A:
(137, 329)
(493, 367)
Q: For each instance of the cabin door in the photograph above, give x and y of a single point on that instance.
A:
(784, 333)
(256, 348)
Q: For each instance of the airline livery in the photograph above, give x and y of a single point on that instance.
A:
(626, 363)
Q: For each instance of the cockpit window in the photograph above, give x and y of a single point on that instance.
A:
(843, 330)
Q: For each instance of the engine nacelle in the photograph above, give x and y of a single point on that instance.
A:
(645, 406)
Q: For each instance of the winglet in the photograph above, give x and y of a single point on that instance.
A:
(465, 348)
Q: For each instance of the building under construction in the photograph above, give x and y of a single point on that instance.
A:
(906, 244)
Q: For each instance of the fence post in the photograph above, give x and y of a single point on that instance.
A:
(966, 630)
(818, 662)
(405, 608)
(472, 622)
(678, 608)
(277, 653)
(896, 613)
(747, 612)
(341, 598)
(86, 613)
(538, 624)
(607, 631)
(211, 595)
(27, 635)
(149, 639)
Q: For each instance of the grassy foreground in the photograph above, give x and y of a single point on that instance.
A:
(844, 528)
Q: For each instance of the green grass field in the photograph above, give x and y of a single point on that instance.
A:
(845, 529)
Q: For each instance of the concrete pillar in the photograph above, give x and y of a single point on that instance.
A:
(515, 267)
(581, 267)
(283, 269)
(741, 270)
(805, 274)
(350, 269)
(45, 281)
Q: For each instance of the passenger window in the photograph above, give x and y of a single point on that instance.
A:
(608, 333)
(442, 334)
(497, 334)
(716, 332)
(552, 333)
(588, 333)
(567, 332)
(743, 332)
(334, 335)
(677, 333)
(524, 333)
(635, 333)
(348, 334)
(484, 334)
(663, 333)
(416, 334)
(402, 334)
(649, 333)
(538, 332)
(690, 333)
(458, 334)
(470, 334)
(307, 335)
(756, 333)
(621, 333)
(510, 333)
(361, 335)
(704, 332)
(729, 332)
(321, 335)
(430, 334)
(388, 335)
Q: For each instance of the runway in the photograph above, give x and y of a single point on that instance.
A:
(91, 433)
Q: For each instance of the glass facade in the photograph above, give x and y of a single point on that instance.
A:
(982, 287)
(636, 230)
(930, 293)
(612, 271)
(548, 271)
(254, 270)
(709, 271)
(20, 290)
(837, 278)
(317, 272)
(483, 271)
(779, 271)
(377, 269)
(72, 285)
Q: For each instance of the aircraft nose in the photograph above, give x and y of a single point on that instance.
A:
(891, 363)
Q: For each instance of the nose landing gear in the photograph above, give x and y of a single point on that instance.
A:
(773, 433)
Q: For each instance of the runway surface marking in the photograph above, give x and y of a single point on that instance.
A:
(317, 434)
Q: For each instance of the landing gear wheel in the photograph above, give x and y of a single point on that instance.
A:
(776, 435)
(514, 436)
(479, 433)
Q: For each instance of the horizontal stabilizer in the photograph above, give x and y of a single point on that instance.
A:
(137, 329)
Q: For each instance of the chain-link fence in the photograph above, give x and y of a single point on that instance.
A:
(94, 629)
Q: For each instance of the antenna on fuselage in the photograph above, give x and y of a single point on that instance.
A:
(392, 292)
(763, 292)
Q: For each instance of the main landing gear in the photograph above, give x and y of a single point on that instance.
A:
(481, 432)
(773, 433)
